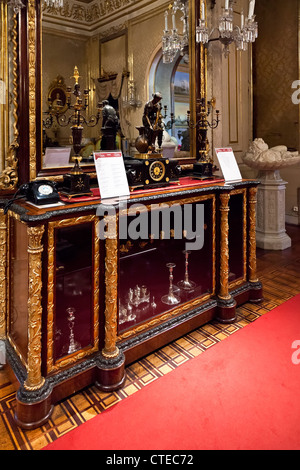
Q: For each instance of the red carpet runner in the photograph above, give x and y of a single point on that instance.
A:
(243, 393)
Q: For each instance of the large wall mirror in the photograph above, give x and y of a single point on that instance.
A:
(116, 50)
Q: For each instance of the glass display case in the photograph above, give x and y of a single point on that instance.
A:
(159, 273)
(73, 290)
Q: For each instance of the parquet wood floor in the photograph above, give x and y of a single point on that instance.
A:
(279, 272)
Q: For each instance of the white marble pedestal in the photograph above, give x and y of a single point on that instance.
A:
(270, 228)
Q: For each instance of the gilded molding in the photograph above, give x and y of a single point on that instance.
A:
(31, 10)
(9, 176)
(88, 13)
(252, 234)
(69, 360)
(224, 250)
(3, 273)
(164, 317)
(35, 248)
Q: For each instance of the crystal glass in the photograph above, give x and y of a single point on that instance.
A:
(73, 345)
(186, 283)
(170, 298)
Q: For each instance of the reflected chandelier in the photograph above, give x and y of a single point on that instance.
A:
(172, 40)
(228, 32)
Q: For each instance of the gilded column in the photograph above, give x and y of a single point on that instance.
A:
(34, 378)
(110, 349)
(3, 274)
(224, 250)
(252, 234)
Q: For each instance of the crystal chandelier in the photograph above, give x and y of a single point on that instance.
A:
(173, 41)
(131, 101)
(228, 32)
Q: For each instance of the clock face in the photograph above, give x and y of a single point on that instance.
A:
(157, 170)
(45, 189)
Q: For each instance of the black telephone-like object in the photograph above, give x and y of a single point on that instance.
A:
(40, 192)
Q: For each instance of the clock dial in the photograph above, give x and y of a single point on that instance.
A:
(157, 170)
(45, 189)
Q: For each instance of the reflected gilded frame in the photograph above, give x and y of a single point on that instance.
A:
(9, 175)
(9, 134)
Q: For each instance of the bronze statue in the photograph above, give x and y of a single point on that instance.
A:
(110, 126)
(152, 122)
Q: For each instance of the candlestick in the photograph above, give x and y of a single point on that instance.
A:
(202, 12)
(170, 298)
(166, 21)
(173, 21)
(251, 8)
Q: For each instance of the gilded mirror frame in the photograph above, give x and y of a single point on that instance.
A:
(9, 99)
(28, 126)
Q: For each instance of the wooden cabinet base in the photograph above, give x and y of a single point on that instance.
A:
(111, 374)
(33, 415)
(226, 310)
(34, 407)
(256, 294)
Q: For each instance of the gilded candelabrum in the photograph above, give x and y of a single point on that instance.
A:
(202, 124)
(77, 118)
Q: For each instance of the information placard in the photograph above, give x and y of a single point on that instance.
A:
(228, 164)
(57, 156)
(111, 174)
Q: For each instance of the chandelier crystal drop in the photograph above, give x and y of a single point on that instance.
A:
(229, 33)
(174, 41)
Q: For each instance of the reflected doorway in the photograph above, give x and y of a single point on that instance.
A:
(172, 81)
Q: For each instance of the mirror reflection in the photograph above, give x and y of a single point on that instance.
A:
(117, 65)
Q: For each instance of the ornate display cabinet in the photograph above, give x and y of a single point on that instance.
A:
(80, 306)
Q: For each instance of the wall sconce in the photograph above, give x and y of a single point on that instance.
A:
(131, 101)
(241, 35)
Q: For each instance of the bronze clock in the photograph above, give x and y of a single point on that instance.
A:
(151, 172)
(157, 170)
